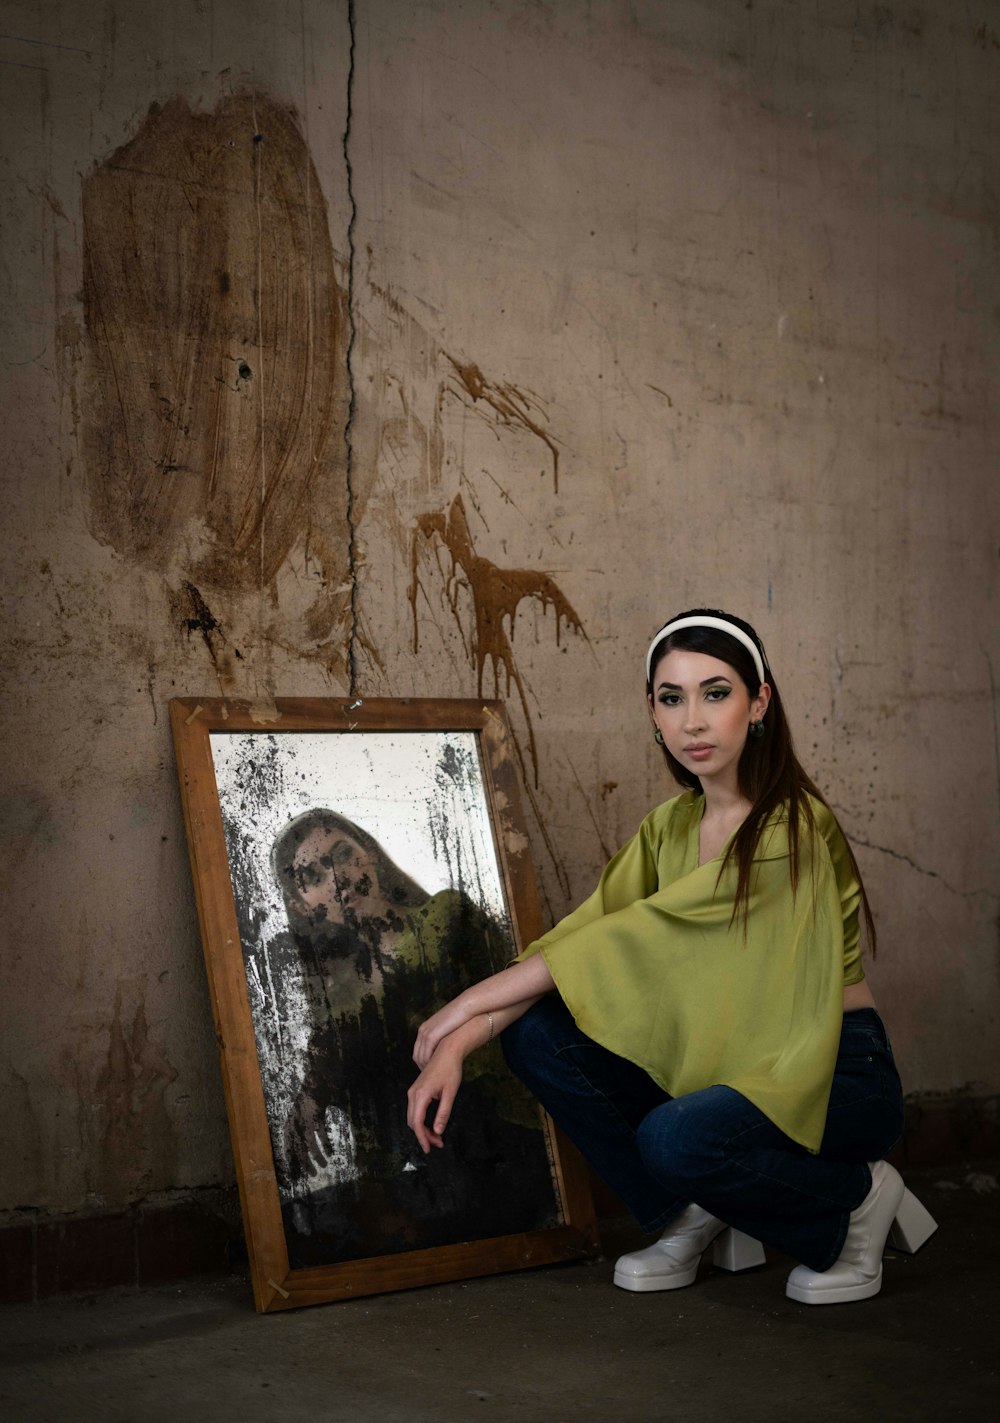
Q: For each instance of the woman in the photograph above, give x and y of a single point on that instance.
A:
(701, 1026)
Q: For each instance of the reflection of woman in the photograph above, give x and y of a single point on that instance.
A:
(379, 955)
(346, 902)
(701, 1026)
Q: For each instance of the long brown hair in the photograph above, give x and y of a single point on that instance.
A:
(770, 774)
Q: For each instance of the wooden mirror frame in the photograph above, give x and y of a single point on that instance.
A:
(276, 1285)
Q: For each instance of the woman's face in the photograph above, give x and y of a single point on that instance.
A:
(703, 710)
(335, 877)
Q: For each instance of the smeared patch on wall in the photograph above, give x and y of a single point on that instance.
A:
(69, 354)
(216, 338)
(496, 594)
(513, 406)
(137, 1140)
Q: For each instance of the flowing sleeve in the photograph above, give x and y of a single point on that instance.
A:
(632, 874)
(673, 983)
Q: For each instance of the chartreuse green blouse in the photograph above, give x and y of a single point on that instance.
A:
(654, 967)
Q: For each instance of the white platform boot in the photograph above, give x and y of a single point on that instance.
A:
(672, 1262)
(888, 1212)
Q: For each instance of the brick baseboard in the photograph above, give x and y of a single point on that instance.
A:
(948, 1126)
(150, 1243)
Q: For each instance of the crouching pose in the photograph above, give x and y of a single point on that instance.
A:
(701, 1026)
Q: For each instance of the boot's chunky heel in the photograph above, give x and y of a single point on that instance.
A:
(735, 1251)
(914, 1225)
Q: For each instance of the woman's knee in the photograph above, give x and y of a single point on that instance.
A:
(867, 1133)
(670, 1146)
(688, 1138)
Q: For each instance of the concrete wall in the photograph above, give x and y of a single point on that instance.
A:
(646, 303)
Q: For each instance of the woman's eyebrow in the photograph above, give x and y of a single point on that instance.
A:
(676, 686)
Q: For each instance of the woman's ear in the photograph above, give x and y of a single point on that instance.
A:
(761, 702)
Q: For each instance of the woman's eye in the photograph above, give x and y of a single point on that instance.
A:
(718, 694)
(669, 699)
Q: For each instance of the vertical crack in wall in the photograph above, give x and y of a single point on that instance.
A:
(352, 550)
(996, 724)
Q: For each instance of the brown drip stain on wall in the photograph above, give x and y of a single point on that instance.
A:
(496, 595)
(215, 346)
(511, 404)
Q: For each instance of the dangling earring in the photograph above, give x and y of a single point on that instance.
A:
(658, 736)
(757, 728)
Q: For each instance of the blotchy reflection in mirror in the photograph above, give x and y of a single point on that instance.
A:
(342, 968)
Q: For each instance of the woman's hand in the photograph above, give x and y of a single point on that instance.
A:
(439, 1082)
(430, 1033)
(464, 1024)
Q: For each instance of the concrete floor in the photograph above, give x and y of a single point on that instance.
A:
(557, 1344)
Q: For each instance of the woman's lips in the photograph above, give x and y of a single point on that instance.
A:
(699, 751)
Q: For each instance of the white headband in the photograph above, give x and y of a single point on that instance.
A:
(706, 622)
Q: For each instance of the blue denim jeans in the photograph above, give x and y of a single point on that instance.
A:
(714, 1147)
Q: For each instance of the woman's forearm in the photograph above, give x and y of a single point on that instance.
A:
(520, 984)
(478, 1031)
